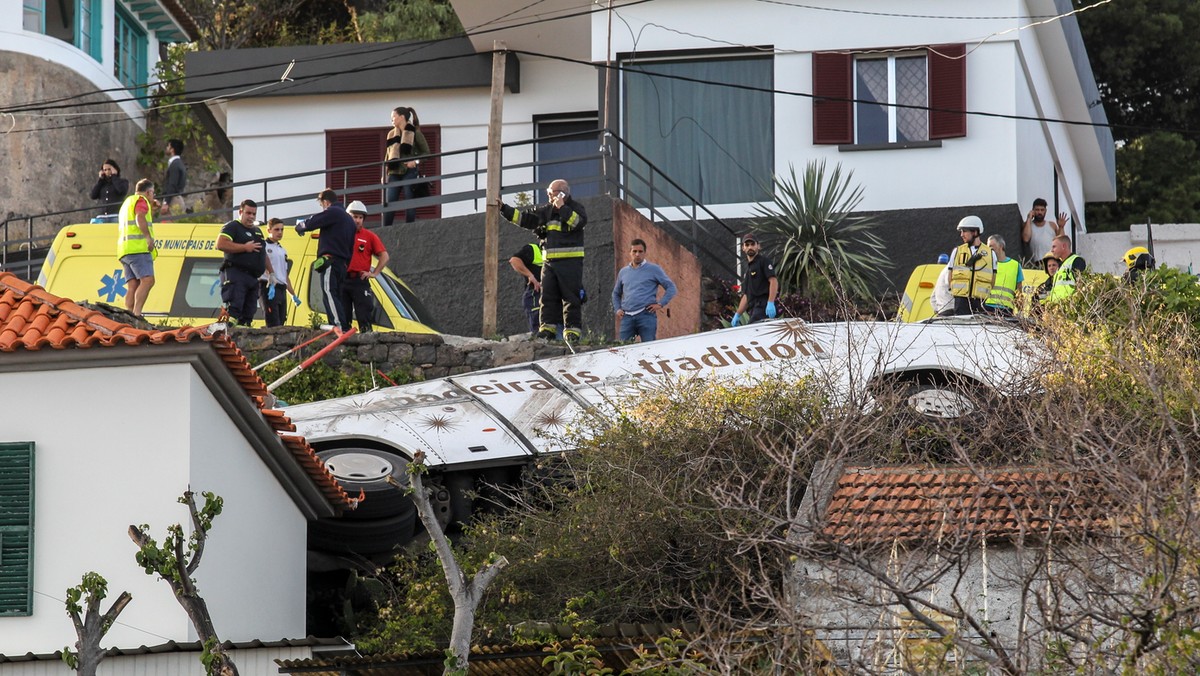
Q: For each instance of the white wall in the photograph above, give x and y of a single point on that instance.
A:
(253, 571)
(250, 662)
(268, 143)
(1175, 244)
(119, 446)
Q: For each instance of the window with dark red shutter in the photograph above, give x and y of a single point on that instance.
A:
(947, 91)
(351, 147)
(833, 121)
(892, 97)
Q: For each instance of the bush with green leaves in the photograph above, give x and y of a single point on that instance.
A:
(323, 381)
(824, 248)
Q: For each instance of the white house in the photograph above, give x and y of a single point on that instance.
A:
(75, 74)
(940, 109)
(106, 426)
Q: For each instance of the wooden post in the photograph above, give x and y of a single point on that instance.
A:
(491, 235)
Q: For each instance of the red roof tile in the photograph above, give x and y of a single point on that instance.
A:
(949, 504)
(33, 319)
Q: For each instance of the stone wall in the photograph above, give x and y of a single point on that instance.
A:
(427, 355)
(50, 164)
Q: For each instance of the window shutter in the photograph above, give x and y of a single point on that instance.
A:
(947, 91)
(16, 528)
(347, 147)
(833, 120)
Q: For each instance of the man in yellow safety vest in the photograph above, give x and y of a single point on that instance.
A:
(1068, 273)
(135, 245)
(972, 267)
(1009, 277)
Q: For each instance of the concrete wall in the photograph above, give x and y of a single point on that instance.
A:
(680, 265)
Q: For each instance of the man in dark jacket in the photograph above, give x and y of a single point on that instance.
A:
(561, 224)
(110, 189)
(333, 252)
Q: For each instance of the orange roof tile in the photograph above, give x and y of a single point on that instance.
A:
(950, 504)
(33, 319)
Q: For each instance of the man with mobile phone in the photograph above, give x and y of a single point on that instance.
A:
(561, 222)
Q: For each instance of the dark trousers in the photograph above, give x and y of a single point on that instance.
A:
(358, 301)
(330, 279)
(968, 306)
(562, 283)
(394, 194)
(274, 311)
(757, 309)
(239, 294)
(530, 300)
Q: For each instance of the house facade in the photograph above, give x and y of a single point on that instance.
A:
(106, 426)
(939, 114)
(75, 74)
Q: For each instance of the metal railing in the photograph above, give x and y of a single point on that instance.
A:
(618, 166)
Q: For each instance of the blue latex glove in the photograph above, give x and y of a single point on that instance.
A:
(270, 292)
(296, 300)
(737, 319)
(771, 309)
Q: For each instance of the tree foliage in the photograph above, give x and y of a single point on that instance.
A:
(823, 245)
(1146, 58)
(1158, 178)
(83, 606)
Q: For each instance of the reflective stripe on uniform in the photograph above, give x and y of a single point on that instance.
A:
(566, 252)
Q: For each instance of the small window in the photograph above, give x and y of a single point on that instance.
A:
(35, 16)
(883, 87)
(129, 52)
(87, 35)
(901, 97)
(16, 528)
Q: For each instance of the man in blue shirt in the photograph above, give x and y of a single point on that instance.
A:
(334, 249)
(635, 295)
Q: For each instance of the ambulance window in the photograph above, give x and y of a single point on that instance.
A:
(406, 301)
(199, 291)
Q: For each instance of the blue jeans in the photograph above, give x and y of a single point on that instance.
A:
(644, 325)
(395, 192)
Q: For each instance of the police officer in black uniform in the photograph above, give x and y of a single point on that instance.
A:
(245, 252)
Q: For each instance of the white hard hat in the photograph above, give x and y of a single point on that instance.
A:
(971, 223)
(356, 207)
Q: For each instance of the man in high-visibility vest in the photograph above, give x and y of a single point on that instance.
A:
(1068, 273)
(135, 245)
(1009, 277)
(527, 262)
(972, 267)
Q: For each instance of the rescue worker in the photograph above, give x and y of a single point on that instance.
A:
(242, 242)
(1009, 278)
(1050, 263)
(1137, 260)
(527, 262)
(561, 222)
(1068, 273)
(972, 268)
(135, 245)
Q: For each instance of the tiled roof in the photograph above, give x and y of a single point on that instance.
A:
(33, 319)
(322, 644)
(949, 504)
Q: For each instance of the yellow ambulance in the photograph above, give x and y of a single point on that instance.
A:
(915, 304)
(82, 265)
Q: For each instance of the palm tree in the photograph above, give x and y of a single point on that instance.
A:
(825, 246)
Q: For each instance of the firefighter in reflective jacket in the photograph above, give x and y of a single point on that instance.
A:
(972, 268)
(135, 245)
(561, 224)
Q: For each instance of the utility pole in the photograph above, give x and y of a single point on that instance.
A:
(491, 235)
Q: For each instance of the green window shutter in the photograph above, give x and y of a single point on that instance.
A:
(16, 528)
